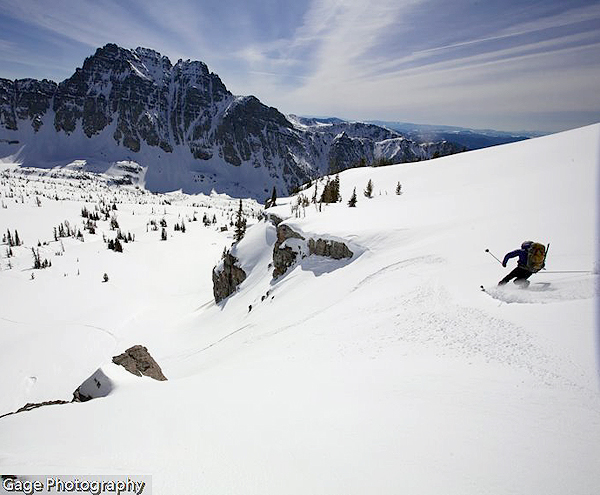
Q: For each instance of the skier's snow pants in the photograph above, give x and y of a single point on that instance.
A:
(520, 275)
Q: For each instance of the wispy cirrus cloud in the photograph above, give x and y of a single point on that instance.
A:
(534, 66)
(462, 63)
(93, 23)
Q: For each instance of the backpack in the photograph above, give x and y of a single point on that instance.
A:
(536, 256)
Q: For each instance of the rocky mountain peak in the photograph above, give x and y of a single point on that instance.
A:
(114, 61)
(182, 124)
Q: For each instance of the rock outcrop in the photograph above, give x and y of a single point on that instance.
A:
(226, 277)
(284, 256)
(329, 248)
(274, 219)
(286, 253)
(137, 360)
(34, 405)
(97, 385)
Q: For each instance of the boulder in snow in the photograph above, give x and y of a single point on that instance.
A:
(332, 249)
(97, 385)
(137, 360)
(226, 277)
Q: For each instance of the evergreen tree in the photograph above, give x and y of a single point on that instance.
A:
(163, 234)
(398, 188)
(336, 189)
(273, 200)
(352, 202)
(37, 264)
(331, 191)
(240, 224)
(368, 192)
(326, 194)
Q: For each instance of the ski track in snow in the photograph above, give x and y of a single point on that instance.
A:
(470, 332)
(13, 321)
(195, 352)
(64, 323)
(398, 266)
(103, 330)
(430, 317)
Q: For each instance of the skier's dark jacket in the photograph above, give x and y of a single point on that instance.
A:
(521, 253)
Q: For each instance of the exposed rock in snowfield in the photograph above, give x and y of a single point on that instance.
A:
(97, 385)
(137, 360)
(34, 405)
(226, 277)
(329, 248)
(274, 219)
(284, 255)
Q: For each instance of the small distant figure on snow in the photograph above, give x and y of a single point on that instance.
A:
(532, 259)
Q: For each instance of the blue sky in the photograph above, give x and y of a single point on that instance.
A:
(508, 65)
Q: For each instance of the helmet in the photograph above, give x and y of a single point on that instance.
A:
(526, 244)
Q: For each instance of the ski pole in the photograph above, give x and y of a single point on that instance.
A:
(568, 271)
(488, 251)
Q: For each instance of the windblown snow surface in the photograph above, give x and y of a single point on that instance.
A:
(387, 373)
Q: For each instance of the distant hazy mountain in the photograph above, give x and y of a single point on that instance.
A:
(472, 139)
(183, 128)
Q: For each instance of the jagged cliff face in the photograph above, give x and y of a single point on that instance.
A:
(150, 100)
(25, 99)
(182, 125)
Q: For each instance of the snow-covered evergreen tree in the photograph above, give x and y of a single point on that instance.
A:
(240, 224)
(352, 201)
(368, 192)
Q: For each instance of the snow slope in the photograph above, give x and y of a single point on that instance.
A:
(390, 372)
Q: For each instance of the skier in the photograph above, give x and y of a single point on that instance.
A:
(532, 257)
